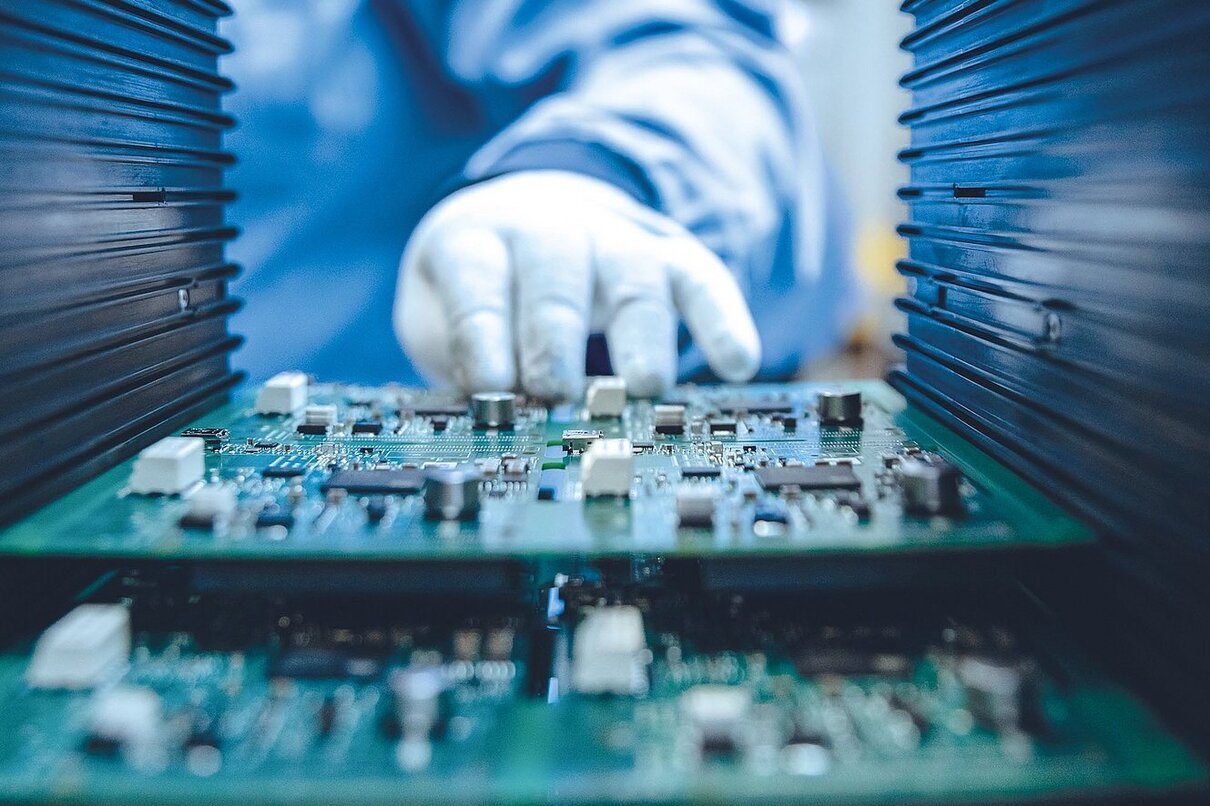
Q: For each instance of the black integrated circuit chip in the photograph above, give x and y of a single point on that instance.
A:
(320, 663)
(270, 518)
(283, 471)
(756, 405)
(375, 482)
(808, 477)
(701, 471)
(373, 427)
(211, 436)
(435, 409)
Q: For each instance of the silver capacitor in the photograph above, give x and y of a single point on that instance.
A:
(931, 488)
(494, 409)
(838, 408)
(452, 493)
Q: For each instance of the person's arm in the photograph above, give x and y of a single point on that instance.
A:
(692, 109)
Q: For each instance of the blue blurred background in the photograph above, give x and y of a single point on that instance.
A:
(336, 167)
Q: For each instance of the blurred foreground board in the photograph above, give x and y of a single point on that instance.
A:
(596, 691)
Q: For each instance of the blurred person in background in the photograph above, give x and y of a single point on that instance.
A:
(572, 185)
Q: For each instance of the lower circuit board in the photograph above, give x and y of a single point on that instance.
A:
(727, 471)
(586, 692)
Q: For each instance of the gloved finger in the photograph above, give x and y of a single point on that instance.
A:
(632, 290)
(421, 325)
(713, 307)
(470, 269)
(553, 275)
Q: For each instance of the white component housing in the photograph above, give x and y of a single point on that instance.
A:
(668, 414)
(284, 393)
(169, 466)
(82, 649)
(607, 468)
(609, 652)
(695, 506)
(212, 502)
(320, 414)
(128, 715)
(606, 396)
(716, 711)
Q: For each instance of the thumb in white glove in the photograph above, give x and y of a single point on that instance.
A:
(508, 277)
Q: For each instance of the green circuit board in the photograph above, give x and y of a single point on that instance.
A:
(731, 446)
(724, 698)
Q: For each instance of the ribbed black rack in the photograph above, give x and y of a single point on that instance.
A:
(1059, 274)
(113, 298)
(1059, 229)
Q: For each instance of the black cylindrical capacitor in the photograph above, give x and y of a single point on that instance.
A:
(494, 409)
(452, 493)
(931, 488)
(839, 408)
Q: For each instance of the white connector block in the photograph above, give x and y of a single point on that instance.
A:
(284, 393)
(716, 711)
(695, 506)
(320, 414)
(605, 396)
(131, 716)
(609, 652)
(212, 502)
(82, 649)
(607, 468)
(169, 466)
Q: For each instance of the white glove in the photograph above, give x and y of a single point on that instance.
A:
(515, 272)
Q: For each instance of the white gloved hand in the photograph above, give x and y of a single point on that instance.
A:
(515, 272)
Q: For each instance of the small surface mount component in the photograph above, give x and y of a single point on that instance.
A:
(126, 720)
(210, 505)
(170, 466)
(607, 468)
(609, 652)
(669, 418)
(716, 718)
(723, 426)
(284, 393)
(87, 646)
(695, 507)
(318, 419)
(578, 439)
(605, 397)
(211, 436)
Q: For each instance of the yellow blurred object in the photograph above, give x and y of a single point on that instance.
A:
(876, 251)
(878, 248)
